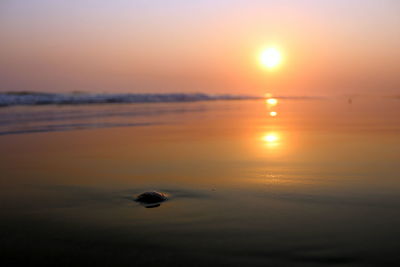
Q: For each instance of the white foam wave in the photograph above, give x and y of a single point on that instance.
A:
(29, 98)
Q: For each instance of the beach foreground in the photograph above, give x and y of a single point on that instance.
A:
(304, 182)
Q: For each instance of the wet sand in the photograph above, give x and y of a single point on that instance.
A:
(314, 184)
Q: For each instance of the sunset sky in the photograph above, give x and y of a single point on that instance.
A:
(212, 46)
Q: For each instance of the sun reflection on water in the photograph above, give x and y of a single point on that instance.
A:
(271, 101)
(271, 139)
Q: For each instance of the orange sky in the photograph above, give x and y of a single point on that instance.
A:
(329, 47)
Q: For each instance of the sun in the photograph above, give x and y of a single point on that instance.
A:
(270, 58)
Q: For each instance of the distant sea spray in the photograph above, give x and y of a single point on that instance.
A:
(32, 98)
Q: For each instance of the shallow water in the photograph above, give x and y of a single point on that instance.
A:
(317, 184)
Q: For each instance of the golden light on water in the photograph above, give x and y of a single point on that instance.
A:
(271, 139)
(270, 58)
(273, 113)
(272, 101)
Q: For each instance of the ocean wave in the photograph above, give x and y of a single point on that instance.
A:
(31, 98)
(69, 127)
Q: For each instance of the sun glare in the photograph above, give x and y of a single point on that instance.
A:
(270, 58)
(272, 101)
(270, 138)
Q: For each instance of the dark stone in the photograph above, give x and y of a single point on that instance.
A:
(150, 206)
(152, 197)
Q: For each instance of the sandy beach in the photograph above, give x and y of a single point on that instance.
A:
(313, 184)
